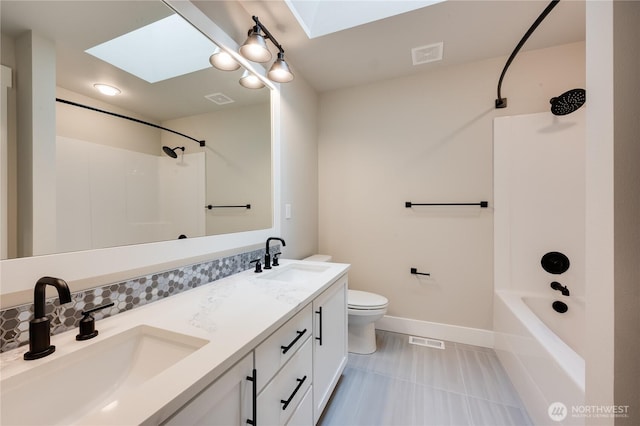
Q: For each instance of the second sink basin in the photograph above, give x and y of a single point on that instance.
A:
(91, 379)
(294, 272)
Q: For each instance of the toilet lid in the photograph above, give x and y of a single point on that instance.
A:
(365, 300)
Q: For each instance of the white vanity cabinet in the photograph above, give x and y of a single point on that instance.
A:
(288, 378)
(227, 401)
(330, 342)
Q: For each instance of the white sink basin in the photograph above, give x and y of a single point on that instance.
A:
(294, 272)
(91, 379)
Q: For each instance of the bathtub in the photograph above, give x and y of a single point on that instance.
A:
(542, 351)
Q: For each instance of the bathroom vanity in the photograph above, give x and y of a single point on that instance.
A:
(252, 348)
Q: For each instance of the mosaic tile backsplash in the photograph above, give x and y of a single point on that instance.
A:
(126, 295)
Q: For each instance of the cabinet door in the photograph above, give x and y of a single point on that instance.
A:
(227, 401)
(330, 342)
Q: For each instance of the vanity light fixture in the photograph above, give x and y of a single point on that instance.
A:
(250, 81)
(106, 89)
(255, 49)
(223, 61)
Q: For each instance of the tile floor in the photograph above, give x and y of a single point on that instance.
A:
(407, 385)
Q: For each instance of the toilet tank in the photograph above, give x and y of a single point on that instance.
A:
(318, 258)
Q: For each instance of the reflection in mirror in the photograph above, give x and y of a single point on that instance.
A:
(78, 179)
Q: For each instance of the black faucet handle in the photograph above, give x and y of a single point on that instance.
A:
(275, 259)
(88, 323)
(258, 265)
(561, 288)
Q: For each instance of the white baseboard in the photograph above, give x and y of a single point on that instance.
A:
(434, 330)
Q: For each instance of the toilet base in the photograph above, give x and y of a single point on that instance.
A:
(362, 338)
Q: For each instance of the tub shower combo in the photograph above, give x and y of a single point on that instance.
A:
(539, 258)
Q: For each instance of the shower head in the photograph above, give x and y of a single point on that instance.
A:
(171, 152)
(568, 102)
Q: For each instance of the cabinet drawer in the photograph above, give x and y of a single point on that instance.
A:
(303, 416)
(280, 398)
(278, 348)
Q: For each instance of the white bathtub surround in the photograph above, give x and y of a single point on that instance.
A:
(542, 367)
(110, 196)
(234, 315)
(539, 192)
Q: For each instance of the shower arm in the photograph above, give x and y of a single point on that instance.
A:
(200, 142)
(500, 101)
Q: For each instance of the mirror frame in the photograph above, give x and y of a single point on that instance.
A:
(91, 268)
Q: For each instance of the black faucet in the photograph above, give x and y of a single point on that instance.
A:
(267, 256)
(39, 327)
(562, 288)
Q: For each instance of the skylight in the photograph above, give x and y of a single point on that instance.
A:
(322, 17)
(157, 51)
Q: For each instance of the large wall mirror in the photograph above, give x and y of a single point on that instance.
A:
(90, 180)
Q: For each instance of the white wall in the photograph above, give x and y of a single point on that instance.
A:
(35, 84)
(626, 53)
(426, 138)
(299, 168)
(613, 208)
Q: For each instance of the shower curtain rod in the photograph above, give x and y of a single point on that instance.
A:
(64, 101)
(500, 101)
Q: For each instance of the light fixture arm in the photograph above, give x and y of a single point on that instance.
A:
(267, 33)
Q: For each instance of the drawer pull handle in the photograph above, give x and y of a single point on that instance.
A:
(319, 338)
(254, 397)
(285, 349)
(286, 403)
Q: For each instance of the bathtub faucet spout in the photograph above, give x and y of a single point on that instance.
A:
(561, 288)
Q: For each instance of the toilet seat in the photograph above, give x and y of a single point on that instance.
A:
(364, 301)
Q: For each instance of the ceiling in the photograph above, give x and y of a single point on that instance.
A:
(471, 30)
(75, 26)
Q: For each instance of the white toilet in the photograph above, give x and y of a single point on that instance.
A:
(364, 309)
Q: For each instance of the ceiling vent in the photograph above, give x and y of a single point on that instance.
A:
(219, 98)
(425, 54)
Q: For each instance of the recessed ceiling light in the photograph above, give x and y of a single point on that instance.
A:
(105, 89)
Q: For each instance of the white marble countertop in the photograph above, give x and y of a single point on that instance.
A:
(234, 314)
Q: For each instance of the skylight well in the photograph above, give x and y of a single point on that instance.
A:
(156, 52)
(322, 17)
